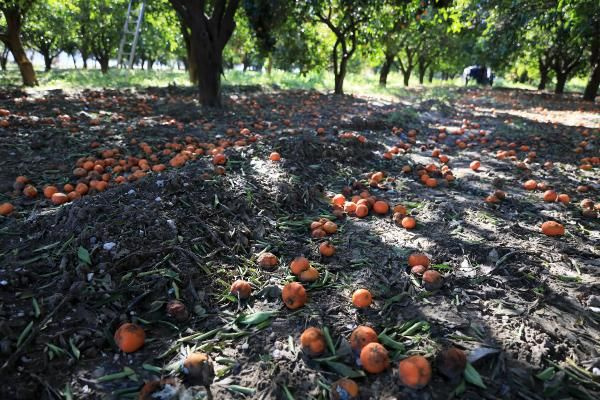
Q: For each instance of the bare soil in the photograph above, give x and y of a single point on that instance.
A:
(524, 306)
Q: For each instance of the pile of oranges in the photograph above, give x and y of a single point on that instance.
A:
(109, 167)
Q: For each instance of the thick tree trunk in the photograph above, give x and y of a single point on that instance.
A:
(85, 66)
(12, 40)
(431, 72)
(422, 75)
(385, 70)
(269, 65)
(544, 72)
(150, 64)
(591, 89)
(103, 60)
(206, 65)
(47, 60)
(561, 81)
(206, 38)
(406, 75)
(340, 76)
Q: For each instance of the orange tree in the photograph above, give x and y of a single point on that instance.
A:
(14, 12)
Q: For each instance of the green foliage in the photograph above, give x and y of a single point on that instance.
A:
(40, 30)
(160, 37)
(100, 24)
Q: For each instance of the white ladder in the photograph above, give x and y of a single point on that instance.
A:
(126, 58)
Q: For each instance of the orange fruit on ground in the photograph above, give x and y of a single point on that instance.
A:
(431, 182)
(268, 260)
(318, 233)
(564, 198)
(418, 270)
(350, 207)
(6, 209)
(219, 159)
(309, 275)
(374, 358)
(361, 211)
(330, 227)
(361, 336)
(159, 167)
(130, 337)
(49, 191)
(339, 199)
(21, 179)
(362, 298)
(274, 156)
(241, 288)
(475, 165)
(315, 224)
(381, 207)
(68, 188)
(73, 196)
(418, 259)
(399, 208)
(530, 185)
(313, 341)
(198, 369)
(344, 389)
(553, 228)
(550, 196)
(451, 363)
(101, 186)
(409, 222)
(81, 188)
(327, 249)
(59, 198)
(298, 265)
(30, 191)
(377, 176)
(415, 372)
(586, 203)
(432, 280)
(492, 199)
(293, 295)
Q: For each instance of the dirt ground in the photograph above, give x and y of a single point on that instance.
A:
(524, 306)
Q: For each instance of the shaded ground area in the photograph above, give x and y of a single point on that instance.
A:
(523, 305)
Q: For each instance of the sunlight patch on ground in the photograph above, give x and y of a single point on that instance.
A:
(567, 117)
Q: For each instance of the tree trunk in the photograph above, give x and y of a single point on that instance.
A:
(12, 40)
(406, 74)
(591, 89)
(544, 72)
(269, 65)
(340, 76)
(47, 60)
(421, 75)
(4, 58)
(385, 70)
(206, 65)
(74, 61)
(561, 80)
(431, 72)
(84, 62)
(150, 64)
(207, 37)
(103, 60)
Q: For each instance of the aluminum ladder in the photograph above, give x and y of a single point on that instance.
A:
(126, 58)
